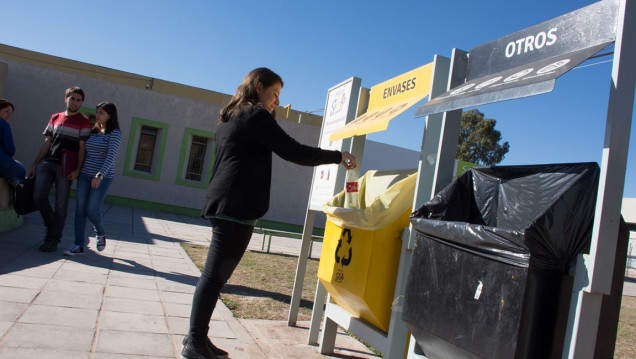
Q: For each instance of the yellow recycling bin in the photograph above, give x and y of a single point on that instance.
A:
(361, 246)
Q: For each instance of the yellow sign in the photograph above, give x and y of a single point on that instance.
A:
(387, 100)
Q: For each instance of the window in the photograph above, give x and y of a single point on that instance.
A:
(90, 113)
(196, 158)
(146, 149)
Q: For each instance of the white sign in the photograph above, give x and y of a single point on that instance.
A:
(340, 108)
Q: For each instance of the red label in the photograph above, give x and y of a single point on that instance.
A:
(352, 186)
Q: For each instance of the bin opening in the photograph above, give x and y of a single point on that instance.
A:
(383, 196)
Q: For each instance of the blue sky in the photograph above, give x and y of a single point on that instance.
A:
(315, 45)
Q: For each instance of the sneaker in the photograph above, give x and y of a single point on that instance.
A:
(101, 242)
(48, 247)
(74, 250)
(220, 353)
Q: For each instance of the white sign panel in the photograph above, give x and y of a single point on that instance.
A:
(340, 109)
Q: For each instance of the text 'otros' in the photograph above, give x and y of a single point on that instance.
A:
(531, 42)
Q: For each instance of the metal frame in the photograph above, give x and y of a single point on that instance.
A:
(444, 130)
(594, 272)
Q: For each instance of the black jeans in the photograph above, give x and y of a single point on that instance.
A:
(228, 244)
(47, 174)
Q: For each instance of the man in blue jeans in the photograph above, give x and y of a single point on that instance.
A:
(65, 131)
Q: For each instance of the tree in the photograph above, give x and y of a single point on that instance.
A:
(479, 141)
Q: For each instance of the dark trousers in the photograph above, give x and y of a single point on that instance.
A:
(228, 244)
(47, 174)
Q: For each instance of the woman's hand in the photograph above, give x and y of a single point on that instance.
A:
(73, 175)
(348, 160)
(95, 182)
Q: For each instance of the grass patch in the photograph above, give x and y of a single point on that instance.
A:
(626, 336)
(261, 288)
(262, 284)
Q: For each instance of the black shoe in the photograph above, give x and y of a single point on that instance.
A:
(205, 351)
(48, 247)
(220, 353)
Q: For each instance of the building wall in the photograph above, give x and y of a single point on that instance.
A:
(36, 82)
(628, 211)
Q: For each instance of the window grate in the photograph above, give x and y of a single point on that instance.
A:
(146, 149)
(198, 147)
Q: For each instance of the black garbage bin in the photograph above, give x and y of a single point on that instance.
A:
(489, 271)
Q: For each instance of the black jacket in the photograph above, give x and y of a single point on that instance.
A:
(242, 171)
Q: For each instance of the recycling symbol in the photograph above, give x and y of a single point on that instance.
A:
(345, 235)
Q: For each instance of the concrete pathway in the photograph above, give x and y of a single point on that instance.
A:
(130, 301)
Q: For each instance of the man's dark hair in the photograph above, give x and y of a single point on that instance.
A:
(74, 89)
(6, 103)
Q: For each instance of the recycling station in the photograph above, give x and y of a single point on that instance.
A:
(502, 262)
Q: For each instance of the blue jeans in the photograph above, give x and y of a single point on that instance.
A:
(12, 171)
(89, 204)
(47, 174)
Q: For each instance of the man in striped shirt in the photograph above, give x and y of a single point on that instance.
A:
(66, 132)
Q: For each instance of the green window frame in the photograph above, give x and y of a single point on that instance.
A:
(133, 143)
(186, 147)
(90, 113)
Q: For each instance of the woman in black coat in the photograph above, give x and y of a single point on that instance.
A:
(238, 193)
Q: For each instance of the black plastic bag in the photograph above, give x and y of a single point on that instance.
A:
(534, 215)
(23, 197)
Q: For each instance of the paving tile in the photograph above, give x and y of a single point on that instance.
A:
(33, 259)
(170, 252)
(9, 312)
(27, 353)
(220, 329)
(152, 345)
(178, 310)
(179, 325)
(132, 293)
(126, 256)
(131, 266)
(133, 322)
(60, 316)
(138, 250)
(161, 262)
(69, 299)
(38, 272)
(4, 326)
(70, 286)
(170, 286)
(96, 278)
(174, 297)
(17, 295)
(113, 304)
(172, 256)
(133, 282)
(140, 276)
(79, 267)
(20, 281)
(124, 356)
(49, 337)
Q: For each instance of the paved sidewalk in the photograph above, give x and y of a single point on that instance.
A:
(130, 301)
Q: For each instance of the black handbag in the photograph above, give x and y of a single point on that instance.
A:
(23, 196)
